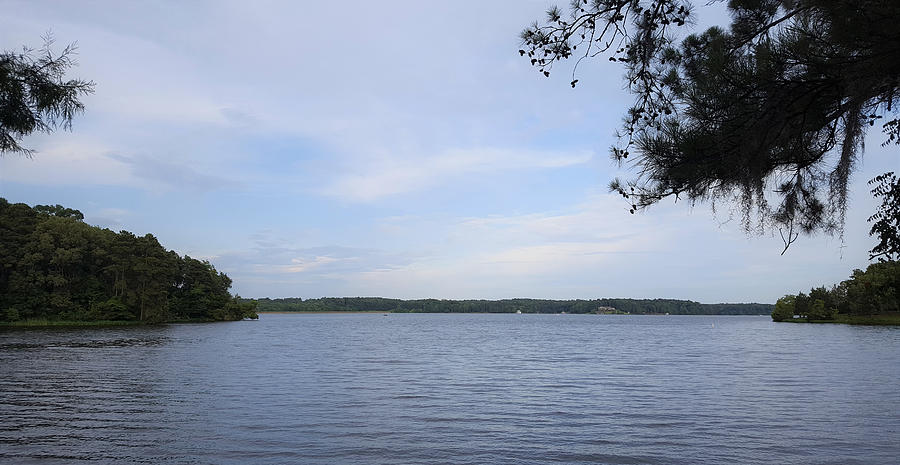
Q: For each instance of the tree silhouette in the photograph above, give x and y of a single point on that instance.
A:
(35, 94)
(769, 113)
(886, 221)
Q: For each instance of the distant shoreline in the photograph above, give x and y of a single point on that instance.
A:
(523, 305)
(308, 312)
(336, 312)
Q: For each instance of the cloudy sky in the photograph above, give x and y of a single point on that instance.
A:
(397, 149)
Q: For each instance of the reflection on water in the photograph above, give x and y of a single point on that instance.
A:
(457, 389)
(123, 342)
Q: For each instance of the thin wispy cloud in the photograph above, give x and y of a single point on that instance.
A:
(112, 218)
(78, 161)
(382, 176)
(173, 175)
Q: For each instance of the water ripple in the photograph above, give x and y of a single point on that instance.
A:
(452, 389)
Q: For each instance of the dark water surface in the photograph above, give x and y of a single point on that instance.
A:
(453, 389)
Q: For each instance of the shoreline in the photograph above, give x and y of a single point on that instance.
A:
(337, 312)
(887, 319)
(330, 312)
(42, 323)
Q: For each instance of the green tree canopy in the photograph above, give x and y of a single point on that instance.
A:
(58, 210)
(769, 112)
(874, 291)
(35, 94)
(54, 266)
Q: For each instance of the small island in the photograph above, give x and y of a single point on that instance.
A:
(58, 270)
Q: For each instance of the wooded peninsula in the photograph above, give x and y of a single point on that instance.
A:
(54, 269)
(868, 297)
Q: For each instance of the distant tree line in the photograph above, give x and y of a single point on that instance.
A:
(53, 266)
(633, 306)
(875, 291)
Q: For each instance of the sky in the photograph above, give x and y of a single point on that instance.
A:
(397, 149)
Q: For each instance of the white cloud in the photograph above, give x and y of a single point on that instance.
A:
(375, 177)
(300, 265)
(172, 175)
(113, 218)
(78, 160)
(67, 160)
(516, 255)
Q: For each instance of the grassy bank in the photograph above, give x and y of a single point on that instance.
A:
(884, 319)
(42, 322)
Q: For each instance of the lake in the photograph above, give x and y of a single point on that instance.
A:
(453, 389)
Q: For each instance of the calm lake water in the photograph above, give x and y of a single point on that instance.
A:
(453, 389)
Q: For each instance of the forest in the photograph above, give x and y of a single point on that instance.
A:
(632, 306)
(870, 292)
(55, 267)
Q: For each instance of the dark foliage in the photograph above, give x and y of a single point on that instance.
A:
(35, 94)
(54, 266)
(875, 291)
(886, 221)
(58, 210)
(769, 113)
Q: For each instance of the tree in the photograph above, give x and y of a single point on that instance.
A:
(876, 290)
(886, 221)
(59, 211)
(818, 311)
(784, 308)
(769, 113)
(35, 94)
(821, 293)
(801, 305)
